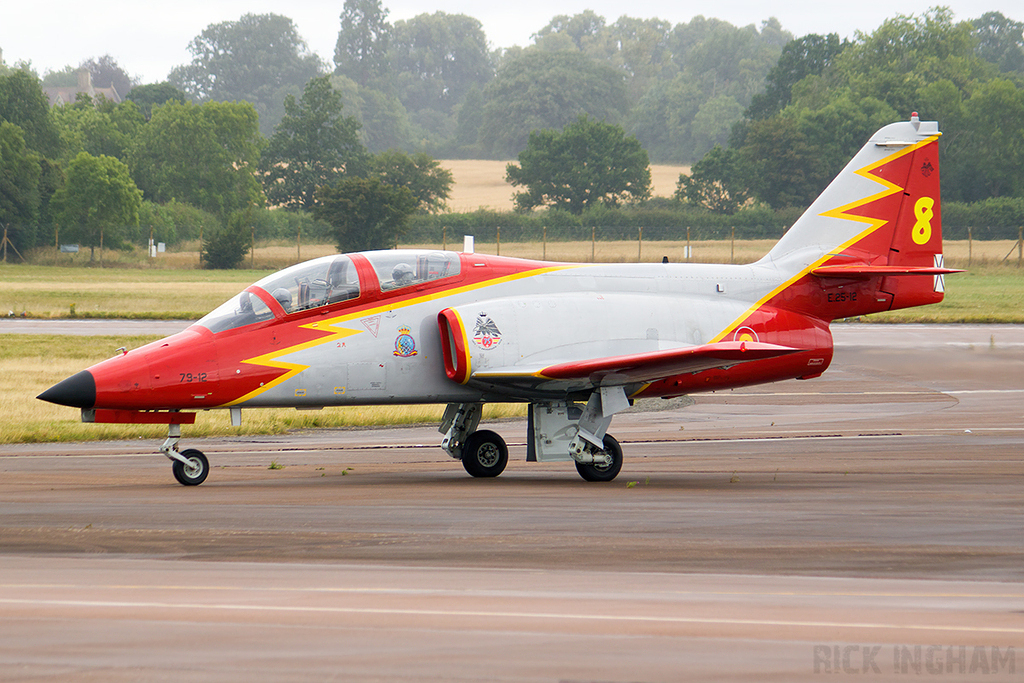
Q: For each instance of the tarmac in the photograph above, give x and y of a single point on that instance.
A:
(866, 524)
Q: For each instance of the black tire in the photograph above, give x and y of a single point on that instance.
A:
(484, 454)
(604, 472)
(194, 475)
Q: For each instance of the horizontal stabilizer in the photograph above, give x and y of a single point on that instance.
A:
(655, 365)
(866, 271)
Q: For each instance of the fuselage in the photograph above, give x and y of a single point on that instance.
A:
(352, 329)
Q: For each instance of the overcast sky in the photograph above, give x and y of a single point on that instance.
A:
(148, 39)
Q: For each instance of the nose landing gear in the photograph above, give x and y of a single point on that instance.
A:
(190, 467)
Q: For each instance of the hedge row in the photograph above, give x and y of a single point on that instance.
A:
(659, 222)
(996, 218)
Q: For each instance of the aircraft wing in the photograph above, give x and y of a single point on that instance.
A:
(645, 367)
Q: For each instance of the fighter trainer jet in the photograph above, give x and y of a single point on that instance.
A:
(577, 342)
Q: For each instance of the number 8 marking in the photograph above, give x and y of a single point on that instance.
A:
(922, 231)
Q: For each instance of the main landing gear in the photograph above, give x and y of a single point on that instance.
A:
(557, 431)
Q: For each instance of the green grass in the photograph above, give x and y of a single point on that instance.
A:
(984, 295)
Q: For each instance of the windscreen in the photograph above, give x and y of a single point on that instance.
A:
(312, 284)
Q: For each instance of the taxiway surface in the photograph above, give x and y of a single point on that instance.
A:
(866, 524)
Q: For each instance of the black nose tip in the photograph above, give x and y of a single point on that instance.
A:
(77, 391)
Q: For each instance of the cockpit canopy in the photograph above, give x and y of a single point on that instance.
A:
(329, 280)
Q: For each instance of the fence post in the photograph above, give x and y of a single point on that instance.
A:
(444, 237)
(545, 256)
(639, 243)
(689, 249)
(497, 241)
(593, 243)
(252, 246)
(970, 246)
(1020, 245)
(101, 247)
(298, 244)
(732, 246)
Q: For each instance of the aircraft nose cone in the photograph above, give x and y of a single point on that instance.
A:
(77, 391)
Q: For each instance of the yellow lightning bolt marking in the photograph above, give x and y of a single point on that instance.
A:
(841, 212)
(271, 359)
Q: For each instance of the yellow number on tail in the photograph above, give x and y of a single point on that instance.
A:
(923, 213)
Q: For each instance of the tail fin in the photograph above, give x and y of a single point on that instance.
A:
(877, 226)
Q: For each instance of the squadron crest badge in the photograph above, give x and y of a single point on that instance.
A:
(405, 344)
(486, 334)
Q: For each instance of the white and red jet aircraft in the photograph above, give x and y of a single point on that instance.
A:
(577, 342)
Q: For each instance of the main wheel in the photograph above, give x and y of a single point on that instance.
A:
(484, 454)
(195, 472)
(604, 472)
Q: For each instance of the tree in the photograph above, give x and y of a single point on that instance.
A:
(99, 202)
(587, 163)
(206, 155)
(906, 52)
(539, 90)
(580, 28)
(99, 128)
(663, 119)
(1000, 41)
(637, 47)
(226, 245)
(362, 49)
(384, 121)
(810, 55)
(259, 59)
(313, 145)
(995, 114)
(154, 94)
(366, 213)
(437, 59)
(718, 182)
(429, 183)
(23, 103)
(19, 187)
(713, 122)
(785, 170)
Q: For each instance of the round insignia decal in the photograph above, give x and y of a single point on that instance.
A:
(405, 345)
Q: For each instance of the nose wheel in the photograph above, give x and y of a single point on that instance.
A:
(194, 470)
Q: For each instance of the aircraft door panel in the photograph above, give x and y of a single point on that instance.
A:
(367, 377)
